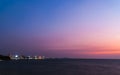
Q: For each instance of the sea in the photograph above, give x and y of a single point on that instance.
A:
(61, 67)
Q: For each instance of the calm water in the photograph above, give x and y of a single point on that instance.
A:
(60, 67)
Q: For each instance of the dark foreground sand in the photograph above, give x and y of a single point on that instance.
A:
(60, 67)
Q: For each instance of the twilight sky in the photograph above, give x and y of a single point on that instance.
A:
(60, 28)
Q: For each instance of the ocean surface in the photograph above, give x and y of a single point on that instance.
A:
(61, 67)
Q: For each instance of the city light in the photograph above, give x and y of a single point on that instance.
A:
(16, 56)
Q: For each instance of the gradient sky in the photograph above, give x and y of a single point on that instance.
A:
(60, 28)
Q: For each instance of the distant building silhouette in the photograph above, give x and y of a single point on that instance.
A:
(4, 57)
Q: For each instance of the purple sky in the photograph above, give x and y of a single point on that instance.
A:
(60, 28)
